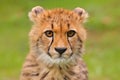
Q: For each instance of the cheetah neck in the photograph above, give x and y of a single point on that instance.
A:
(59, 73)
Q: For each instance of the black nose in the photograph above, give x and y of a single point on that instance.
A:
(60, 50)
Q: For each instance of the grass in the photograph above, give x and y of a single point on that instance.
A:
(102, 55)
(102, 46)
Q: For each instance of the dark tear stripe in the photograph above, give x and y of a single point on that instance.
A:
(69, 43)
(50, 46)
(70, 46)
(67, 37)
(52, 26)
(44, 75)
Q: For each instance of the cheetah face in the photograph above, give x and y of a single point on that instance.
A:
(61, 41)
(58, 34)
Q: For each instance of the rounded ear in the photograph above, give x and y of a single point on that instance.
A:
(82, 13)
(35, 12)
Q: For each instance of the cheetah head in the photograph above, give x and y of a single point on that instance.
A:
(57, 35)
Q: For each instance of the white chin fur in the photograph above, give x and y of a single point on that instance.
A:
(47, 60)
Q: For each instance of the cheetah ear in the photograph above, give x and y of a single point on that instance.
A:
(82, 13)
(35, 12)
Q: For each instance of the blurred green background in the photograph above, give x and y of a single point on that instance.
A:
(102, 46)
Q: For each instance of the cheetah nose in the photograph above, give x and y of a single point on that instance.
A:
(60, 50)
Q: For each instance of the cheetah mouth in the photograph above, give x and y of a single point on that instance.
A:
(59, 56)
(65, 56)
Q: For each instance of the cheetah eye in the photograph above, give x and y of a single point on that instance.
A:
(71, 33)
(49, 33)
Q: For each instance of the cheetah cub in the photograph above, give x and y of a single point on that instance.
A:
(56, 45)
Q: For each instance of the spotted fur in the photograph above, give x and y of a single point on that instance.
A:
(56, 45)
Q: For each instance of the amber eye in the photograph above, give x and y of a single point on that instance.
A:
(49, 33)
(71, 33)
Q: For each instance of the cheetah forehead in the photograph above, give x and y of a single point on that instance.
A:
(58, 15)
(40, 15)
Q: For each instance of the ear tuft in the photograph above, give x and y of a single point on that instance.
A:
(34, 12)
(82, 13)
